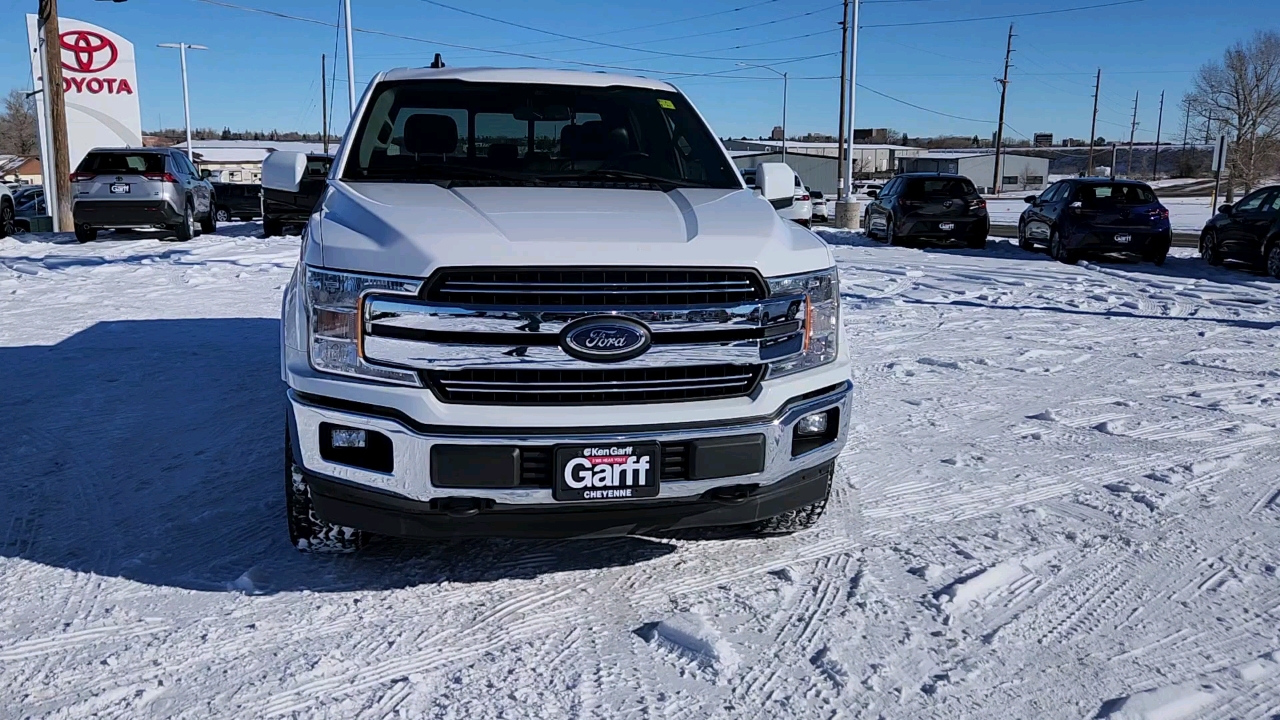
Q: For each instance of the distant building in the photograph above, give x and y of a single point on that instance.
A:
(240, 161)
(1042, 140)
(777, 133)
(21, 169)
(871, 136)
(1018, 173)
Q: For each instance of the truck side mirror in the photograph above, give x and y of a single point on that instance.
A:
(284, 170)
(776, 183)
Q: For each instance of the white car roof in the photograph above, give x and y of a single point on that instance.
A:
(527, 75)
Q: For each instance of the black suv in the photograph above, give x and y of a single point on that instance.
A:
(1248, 231)
(237, 200)
(1082, 215)
(928, 206)
(280, 208)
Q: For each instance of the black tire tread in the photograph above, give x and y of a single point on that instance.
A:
(307, 532)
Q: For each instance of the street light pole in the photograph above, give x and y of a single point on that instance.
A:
(351, 61)
(186, 100)
(784, 102)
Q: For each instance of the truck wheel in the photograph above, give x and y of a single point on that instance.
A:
(802, 518)
(209, 224)
(307, 532)
(186, 229)
(85, 233)
(222, 215)
(271, 227)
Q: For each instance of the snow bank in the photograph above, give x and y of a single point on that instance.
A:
(1174, 702)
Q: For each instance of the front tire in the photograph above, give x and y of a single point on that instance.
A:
(802, 518)
(891, 233)
(85, 233)
(1209, 249)
(307, 532)
(210, 223)
(1024, 242)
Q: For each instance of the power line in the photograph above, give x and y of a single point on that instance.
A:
(575, 38)
(921, 107)
(1004, 17)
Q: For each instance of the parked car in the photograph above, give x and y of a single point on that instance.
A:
(8, 211)
(289, 209)
(863, 187)
(930, 207)
(1096, 215)
(1248, 231)
(23, 193)
(603, 334)
(140, 187)
(32, 205)
(237, 201)
(819, 205)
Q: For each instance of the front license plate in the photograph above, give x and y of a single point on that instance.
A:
(946, 226)
(606, 472)
(1122, 238)
(120, 188)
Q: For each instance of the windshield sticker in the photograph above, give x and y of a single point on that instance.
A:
(666, 104)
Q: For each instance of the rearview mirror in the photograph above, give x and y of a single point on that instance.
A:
(1030, 199)
(1226, 209)
(283, 170)
(776, 183)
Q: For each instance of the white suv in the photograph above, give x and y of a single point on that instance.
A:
(543, 304)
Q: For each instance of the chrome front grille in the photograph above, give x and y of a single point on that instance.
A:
(611, 288)
(609, 386)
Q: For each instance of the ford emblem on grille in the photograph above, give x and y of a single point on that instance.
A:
(605, 339)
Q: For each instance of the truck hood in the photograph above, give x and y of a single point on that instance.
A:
(413, 229)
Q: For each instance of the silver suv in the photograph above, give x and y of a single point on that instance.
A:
(141, 187)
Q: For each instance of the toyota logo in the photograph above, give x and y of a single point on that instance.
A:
(90, 51)
(605, 339)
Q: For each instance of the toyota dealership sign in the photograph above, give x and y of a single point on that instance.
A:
(100, 81)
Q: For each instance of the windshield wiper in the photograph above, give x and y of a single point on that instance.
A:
(665, 183)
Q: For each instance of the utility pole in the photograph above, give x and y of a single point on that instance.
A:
(351, 61)
(1155, 164)
(1093, 126)
(844, 78)
(186, 102)
(324, 107)
(55, 101)
(1114, 152)
(848, 212)
(1133, 128)
(1004, 89)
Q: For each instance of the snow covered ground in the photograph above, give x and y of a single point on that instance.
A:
(1060, 501)
(1185, 213)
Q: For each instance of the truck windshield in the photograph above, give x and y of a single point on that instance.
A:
(467, 133)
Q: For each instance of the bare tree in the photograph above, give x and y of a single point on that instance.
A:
(1242, 94)
(18, 133)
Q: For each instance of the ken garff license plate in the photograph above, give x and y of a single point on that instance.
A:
(118, 188)
(606, 472)
(946, 226)
(1122, 238)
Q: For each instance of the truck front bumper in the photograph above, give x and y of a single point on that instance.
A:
(404, 501)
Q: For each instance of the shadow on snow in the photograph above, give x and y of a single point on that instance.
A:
(151, 450)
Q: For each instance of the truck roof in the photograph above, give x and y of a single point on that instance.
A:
(526, 75)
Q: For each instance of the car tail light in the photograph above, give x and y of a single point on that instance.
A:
(163, 177)
(804, 198)
(79, 176)
(976, 204)
(1160, 214)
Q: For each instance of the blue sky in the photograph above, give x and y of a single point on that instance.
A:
(263, 72)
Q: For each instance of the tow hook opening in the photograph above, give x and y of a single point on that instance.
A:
(732, 494)
(461, 506)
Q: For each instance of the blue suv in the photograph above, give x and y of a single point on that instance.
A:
(1096, 215)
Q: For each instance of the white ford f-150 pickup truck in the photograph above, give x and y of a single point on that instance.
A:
(536, 303)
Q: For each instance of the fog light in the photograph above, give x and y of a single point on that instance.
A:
(350, 438)
(814, 424)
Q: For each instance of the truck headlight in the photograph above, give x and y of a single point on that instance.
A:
(821, 315)
(334, 306)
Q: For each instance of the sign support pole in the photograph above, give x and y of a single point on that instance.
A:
(55, 102)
